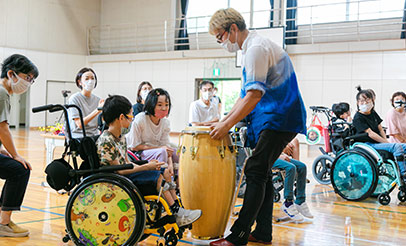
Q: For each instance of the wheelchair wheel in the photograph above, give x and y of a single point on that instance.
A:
(354, 175)
(387, 175)
(321, 169)
(105, 209)
(277, 197)
(402, 196)
(384, 199)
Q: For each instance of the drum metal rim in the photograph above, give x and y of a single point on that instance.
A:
(195, 132)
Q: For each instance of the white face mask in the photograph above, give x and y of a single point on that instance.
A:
(231, 47)
(89, 84)
(207, 95)
(144, 94)
(364, 108)
(20, 86)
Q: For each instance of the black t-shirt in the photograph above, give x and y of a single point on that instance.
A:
(362, 122)
(137, 108)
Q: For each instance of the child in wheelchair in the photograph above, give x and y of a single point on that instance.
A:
(295, 209)
(112, 150)
(366, 120)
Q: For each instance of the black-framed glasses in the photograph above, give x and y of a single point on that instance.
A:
(26, 77)
(220, 39)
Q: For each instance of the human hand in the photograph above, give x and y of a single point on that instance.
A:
(284, 157)
(288, 149)
(219, 130)
(25, 163)
(154, 165)
(169, 150)
(101, 103)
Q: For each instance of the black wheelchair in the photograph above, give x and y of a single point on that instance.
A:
(105, 208)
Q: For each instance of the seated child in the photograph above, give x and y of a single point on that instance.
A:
(112, 150)
(342, 114)
(294, 169)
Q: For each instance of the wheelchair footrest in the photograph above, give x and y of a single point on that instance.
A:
(167, 219)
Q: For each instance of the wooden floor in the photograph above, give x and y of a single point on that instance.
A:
(370, 223)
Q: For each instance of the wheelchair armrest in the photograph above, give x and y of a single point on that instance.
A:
(356, 136)
(109, 169)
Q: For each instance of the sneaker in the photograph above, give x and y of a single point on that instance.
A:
(304, 210)
(292, 212)
(187, 217)
(17, 228)
(7, 231)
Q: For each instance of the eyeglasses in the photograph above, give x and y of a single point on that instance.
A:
(220, 38)
(26, 77)
(129, 116)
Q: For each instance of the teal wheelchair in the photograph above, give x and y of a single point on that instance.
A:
(360, 171)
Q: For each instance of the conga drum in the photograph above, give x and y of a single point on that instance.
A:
(207, 179)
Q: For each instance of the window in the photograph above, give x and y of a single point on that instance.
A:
(199, 12)
(323, 11)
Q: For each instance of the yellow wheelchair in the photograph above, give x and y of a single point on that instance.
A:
(105, 208)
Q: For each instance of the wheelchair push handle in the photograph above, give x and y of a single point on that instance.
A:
(43, 108)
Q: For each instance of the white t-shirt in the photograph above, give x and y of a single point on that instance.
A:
(144, 131)
(200, 112)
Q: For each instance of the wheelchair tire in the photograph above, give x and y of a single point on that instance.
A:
(277, 197)
(322, 168)
(402, 196)
(387, 175)
(354, 175)
(105, 208)
(384, 199)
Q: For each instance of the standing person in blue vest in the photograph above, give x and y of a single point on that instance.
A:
(271, 102)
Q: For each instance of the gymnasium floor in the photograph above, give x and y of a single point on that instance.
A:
(370, 223)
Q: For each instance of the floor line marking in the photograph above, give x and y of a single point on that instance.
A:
(332, 234)
(33, 221)
(42, 210)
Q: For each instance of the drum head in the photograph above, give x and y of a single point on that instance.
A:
(354, 175)
(387, 175)
(105, 211)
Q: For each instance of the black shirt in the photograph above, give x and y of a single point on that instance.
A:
(362, 122)
(137, 108)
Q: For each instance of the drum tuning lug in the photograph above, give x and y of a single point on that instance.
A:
(221, 150)
(193, 150)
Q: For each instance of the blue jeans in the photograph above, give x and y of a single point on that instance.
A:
(397, 149)
(291, 169)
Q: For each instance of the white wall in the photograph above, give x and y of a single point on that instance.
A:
(328, 78)
(48, 25)
(142, 12)
(51, 66)
(177, 75)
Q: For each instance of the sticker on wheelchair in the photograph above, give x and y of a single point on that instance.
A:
(313, 136)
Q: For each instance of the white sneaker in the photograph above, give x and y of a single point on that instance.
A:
(7, 231)
(304, 210)
(292, 212)
(186, 217)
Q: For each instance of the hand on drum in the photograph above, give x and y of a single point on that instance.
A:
(219, 130)
(154, 165)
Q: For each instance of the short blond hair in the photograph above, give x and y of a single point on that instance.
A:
(224, 18)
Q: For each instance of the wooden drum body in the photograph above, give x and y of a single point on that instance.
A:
(207, 179)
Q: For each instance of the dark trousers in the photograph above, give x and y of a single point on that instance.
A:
(16, 177)
(258, 198)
